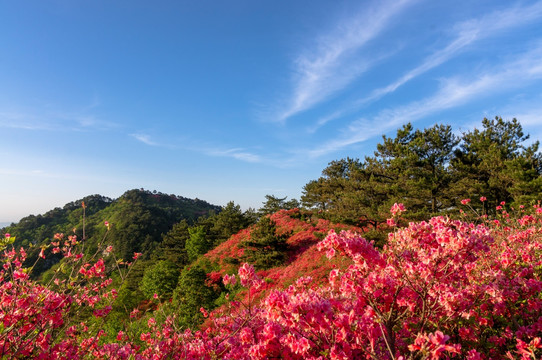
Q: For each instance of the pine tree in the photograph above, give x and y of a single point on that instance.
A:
(265, 249)
(494, 163)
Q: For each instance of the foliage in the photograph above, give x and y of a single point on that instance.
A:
(417, 161)
(47, 321)
(160, 279)
(439, 289)
(185, 242)
(428, 170)
(173, 245)
(191, 294)
(140, 218)
(265, 248)
(492, 162)
(272, 204)
(230, 220)
(197, 244)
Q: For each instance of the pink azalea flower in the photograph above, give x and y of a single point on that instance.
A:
(397, 209)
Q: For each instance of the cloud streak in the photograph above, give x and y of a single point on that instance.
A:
(453, 92)
(145, 139)
(466, 34)
(332, 65)
(51, 120)
(236, 153)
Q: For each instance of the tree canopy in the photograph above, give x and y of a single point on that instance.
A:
(430, 171)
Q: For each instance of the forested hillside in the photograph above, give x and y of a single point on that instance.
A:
(140, 218)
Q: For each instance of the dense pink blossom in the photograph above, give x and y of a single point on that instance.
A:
(438, 289)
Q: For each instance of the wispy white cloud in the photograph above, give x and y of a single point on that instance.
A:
(145, 139)
(47, 119)
(465, 34)
(453, 92)
(531, 118)
(236, 153)
(332, 65)
(209, 150)
(17, 120)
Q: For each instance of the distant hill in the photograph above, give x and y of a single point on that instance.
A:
(138, 217)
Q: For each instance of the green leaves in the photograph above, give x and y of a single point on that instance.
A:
(428, 170)
(191, 294)
(6, 240)
(493, 162)
(161, 279)
(198, 243)
(265, 249)
(274, 204)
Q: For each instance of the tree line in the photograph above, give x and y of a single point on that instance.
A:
(431, 171)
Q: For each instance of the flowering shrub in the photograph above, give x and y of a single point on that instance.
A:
(43, 321)
(438, 289)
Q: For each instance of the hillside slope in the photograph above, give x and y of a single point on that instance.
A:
(303, 230)
(139, 219)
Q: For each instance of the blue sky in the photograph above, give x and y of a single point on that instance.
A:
(233, 100)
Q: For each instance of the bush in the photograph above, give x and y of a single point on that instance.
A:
(439, 289)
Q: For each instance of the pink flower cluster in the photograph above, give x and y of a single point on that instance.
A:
(438, 289)
(397, 209)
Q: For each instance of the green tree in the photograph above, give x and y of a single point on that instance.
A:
(191, 294)
(161, 279)
(130, 294)
(349, 191)
(527, 173)
(198, 243)
(415, 166)
(265, 249)
(173, 245)
(493, 162)
(227, 222)
(411, 168)
(272, 204)
(315, 196)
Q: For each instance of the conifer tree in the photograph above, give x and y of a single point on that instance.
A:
(160, 279)
(493, 162)
(173, 245)
(265, 249)
(191, 294)
(274, 204)
(198, 242)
